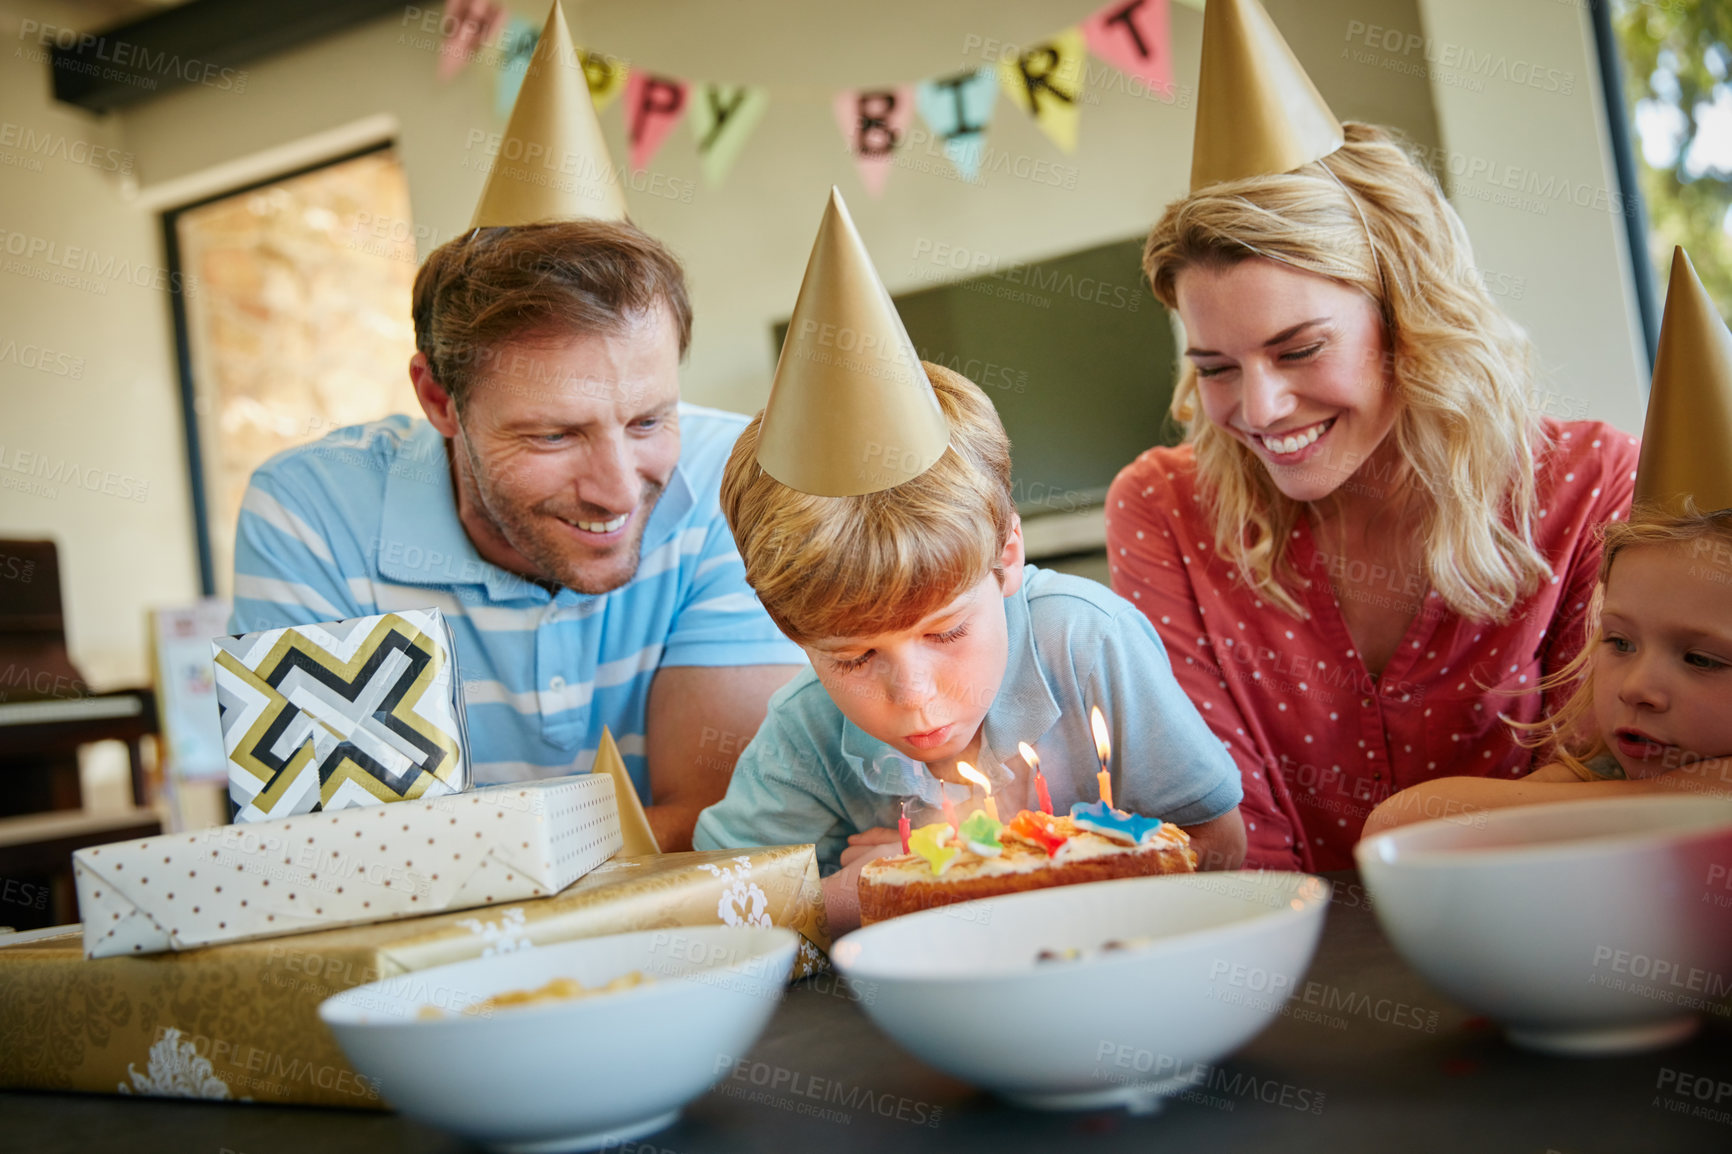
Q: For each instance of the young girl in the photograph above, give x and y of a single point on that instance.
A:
(1652, 710)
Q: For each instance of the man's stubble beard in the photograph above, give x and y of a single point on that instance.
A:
(521, 531)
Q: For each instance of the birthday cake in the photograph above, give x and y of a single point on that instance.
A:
(983, 859)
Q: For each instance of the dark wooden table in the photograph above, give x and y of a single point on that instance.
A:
(1368, 1058)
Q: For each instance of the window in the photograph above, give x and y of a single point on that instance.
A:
(295, 323)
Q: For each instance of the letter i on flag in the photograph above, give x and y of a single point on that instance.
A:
(873, 122)
(653, 105)
(958, 109)
(1135, 37)
(722, 117)
(1046, 82)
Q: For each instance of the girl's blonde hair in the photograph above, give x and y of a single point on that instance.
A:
(1461, 371)
(1572, 734)
(832, 567)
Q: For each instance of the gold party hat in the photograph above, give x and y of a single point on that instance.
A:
(851, 410)
(553, 162)
(1257, 111)
(633, 822)
(1687, 439)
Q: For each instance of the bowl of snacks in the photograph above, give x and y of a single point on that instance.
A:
(1113, 993)
(571, 1046)
(1581, 927)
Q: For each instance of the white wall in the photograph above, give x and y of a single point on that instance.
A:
(108, 406)
(745, 244)
(1532, 176)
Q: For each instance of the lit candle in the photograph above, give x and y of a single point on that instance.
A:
(1103, 751)
(902, 826)
(979, 779)
(949, 810)
(1033, 760)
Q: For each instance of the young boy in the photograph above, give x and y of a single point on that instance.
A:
(932, 643)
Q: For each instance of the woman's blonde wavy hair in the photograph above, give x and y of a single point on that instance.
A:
(1571, 734)
(1467, 438)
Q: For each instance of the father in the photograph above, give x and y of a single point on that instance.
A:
(558, 504)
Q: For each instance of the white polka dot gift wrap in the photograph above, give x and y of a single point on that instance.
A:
(318, 870)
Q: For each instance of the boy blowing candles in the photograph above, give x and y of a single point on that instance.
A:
(871, 503)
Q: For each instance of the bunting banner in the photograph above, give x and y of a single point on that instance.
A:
(1132, 36)
(606, 75)
(516, 46)
(873, 122)
(958, 110)
(653, 105)
(1046, 81)
(722, 117)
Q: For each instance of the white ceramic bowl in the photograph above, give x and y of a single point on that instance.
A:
(960, 986)
(1582, 927)
(567, 1075)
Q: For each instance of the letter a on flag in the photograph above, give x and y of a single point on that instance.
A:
(873, 122)
(1134, 36)
(653, 105)
(958, 109)
(722, 117)
(606, 75)
(1046, 82)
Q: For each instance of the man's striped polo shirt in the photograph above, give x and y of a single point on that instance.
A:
(365, 521)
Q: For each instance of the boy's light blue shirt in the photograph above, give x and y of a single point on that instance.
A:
(365, 521)
(811, 775)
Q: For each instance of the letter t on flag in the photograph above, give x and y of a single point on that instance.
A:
(653, 105)
(1134, 36)
(874, 121)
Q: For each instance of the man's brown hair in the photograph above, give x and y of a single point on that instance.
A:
(493, 286)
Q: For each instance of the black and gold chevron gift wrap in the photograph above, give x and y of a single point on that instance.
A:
(341, 713)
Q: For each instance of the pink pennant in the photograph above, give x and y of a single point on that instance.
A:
(1134, 36)
(653, 105)
(874, 122)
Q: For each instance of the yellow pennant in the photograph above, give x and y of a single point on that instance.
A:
(1046, 81)
(605, 74)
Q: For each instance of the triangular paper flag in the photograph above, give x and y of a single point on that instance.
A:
(464, 37)
(552, 163)
(516, 46)
(653, 105)
(958, 109)
(1687, 439)
(1046, 81)
(606, 75)
(723, 117)
(1134, 36)
(634, 824)
(1257, 111)
(850, 409)
(873, 122)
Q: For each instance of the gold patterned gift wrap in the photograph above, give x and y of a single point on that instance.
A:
(341, 713)
(241, 1021)
(497, 844)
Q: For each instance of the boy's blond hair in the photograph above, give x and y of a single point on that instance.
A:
(1572, 732)
(828, 567)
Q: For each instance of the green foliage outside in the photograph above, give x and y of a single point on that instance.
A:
(1677, 65)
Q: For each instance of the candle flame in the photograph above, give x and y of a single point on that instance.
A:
(975, 776)
(1029, 756)
(1103, 746)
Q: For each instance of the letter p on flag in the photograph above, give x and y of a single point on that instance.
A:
(653, 105)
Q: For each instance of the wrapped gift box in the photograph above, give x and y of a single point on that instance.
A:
(241, 1021)
(341, 713)
(487, 846)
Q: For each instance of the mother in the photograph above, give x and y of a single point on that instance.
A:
(1370, 546)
